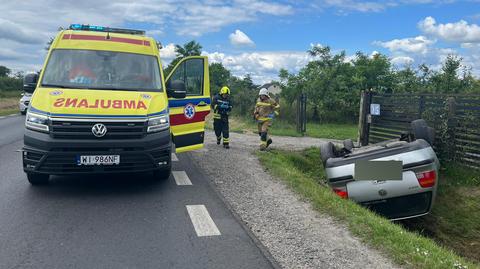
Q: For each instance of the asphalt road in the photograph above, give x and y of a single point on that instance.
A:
(115, 222)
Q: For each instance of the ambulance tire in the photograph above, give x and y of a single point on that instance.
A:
(327, 152)
(162, 174)
(38, 179)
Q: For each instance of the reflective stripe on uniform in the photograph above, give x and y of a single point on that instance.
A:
(216, 116)
(264, 119)
(263, 104)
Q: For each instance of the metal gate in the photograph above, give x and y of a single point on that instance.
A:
(456, 119)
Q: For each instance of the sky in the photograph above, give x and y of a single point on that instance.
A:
(258, 37)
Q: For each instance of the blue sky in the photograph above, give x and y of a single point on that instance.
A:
(259, 37)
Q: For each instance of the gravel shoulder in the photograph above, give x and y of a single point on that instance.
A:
(294, 233)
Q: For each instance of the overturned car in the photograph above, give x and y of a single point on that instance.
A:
(411, 194)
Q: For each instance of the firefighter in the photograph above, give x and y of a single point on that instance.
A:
(222, 106)
(265, 110)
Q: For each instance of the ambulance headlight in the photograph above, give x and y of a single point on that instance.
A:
(36, 122)
(158, 123)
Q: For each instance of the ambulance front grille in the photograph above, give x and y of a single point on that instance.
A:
(83, 130)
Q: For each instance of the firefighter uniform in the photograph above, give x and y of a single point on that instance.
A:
(265, 110)
(222, 106)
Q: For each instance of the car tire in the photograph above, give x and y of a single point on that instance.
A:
(326, 152)
(421, 130)
(38, 179)
(348, 144)
(23, 112)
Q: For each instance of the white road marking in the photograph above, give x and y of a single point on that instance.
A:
(181, 178)
(12, 115)
(201, 220)
(2, 117)
(174, 157)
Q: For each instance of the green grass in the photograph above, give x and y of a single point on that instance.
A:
(282, 128)
(10, 111)
(455, 219)
(9, 102)
(302, 171)
(8, 94)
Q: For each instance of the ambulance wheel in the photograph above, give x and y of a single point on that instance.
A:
(327, 152)
(37, 179)
(163, 174)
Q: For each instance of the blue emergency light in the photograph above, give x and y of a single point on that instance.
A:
(87, 27)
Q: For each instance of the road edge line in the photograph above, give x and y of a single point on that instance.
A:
(263, 249)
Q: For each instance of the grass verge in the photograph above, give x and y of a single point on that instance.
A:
(281, 128)
(455, 219)
(9, 102)
(302, 172)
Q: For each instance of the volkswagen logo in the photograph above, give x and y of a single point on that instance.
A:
(99, 130)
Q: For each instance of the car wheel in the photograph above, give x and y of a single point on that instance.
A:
(163, 174)
(326, 152)
(37, 179)
(23, 112)
(348, 144)
(421, 130)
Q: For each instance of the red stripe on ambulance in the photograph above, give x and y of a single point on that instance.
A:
(178, 119)
(103, 38)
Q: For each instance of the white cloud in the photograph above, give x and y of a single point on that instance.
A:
(419, 44)
(263, 66)
(458, 32)
(239, 38)
(402, 60)
(167, 53)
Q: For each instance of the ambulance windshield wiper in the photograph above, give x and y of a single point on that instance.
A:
(63, 86)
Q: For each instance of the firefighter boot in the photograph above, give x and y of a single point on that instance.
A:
(226, 143)
(269, 142)
(218, 140)
(263, 141)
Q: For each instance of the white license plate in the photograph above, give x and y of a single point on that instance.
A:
(98, 159)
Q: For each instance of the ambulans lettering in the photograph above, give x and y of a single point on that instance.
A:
(84, 103)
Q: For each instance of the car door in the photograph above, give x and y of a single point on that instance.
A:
(187, 115)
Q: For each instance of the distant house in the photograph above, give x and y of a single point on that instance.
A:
(272, 88)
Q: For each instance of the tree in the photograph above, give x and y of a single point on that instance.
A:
(191, 48)
(4, 71)
(219, 76)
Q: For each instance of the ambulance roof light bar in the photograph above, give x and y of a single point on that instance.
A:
(87, 27)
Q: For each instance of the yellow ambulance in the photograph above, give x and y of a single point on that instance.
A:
(102, 104)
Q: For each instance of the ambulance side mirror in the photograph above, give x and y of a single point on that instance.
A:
(30, 82)
(176, 89)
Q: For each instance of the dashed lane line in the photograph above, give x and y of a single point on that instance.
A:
(181, 178)
(174, 157)
(201, 220)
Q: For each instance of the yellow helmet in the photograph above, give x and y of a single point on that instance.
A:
(224, 90)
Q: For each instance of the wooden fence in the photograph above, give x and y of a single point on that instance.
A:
(456, 119)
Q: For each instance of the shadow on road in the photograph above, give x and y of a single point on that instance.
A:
(110, 185)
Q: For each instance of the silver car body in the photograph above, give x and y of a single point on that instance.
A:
(395, 199)
(24, 102)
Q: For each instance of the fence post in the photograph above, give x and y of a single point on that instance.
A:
(450, 130)
(363, 123)
(302, 113)
(421, 106)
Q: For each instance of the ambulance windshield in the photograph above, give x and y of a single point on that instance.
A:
(109, 70)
